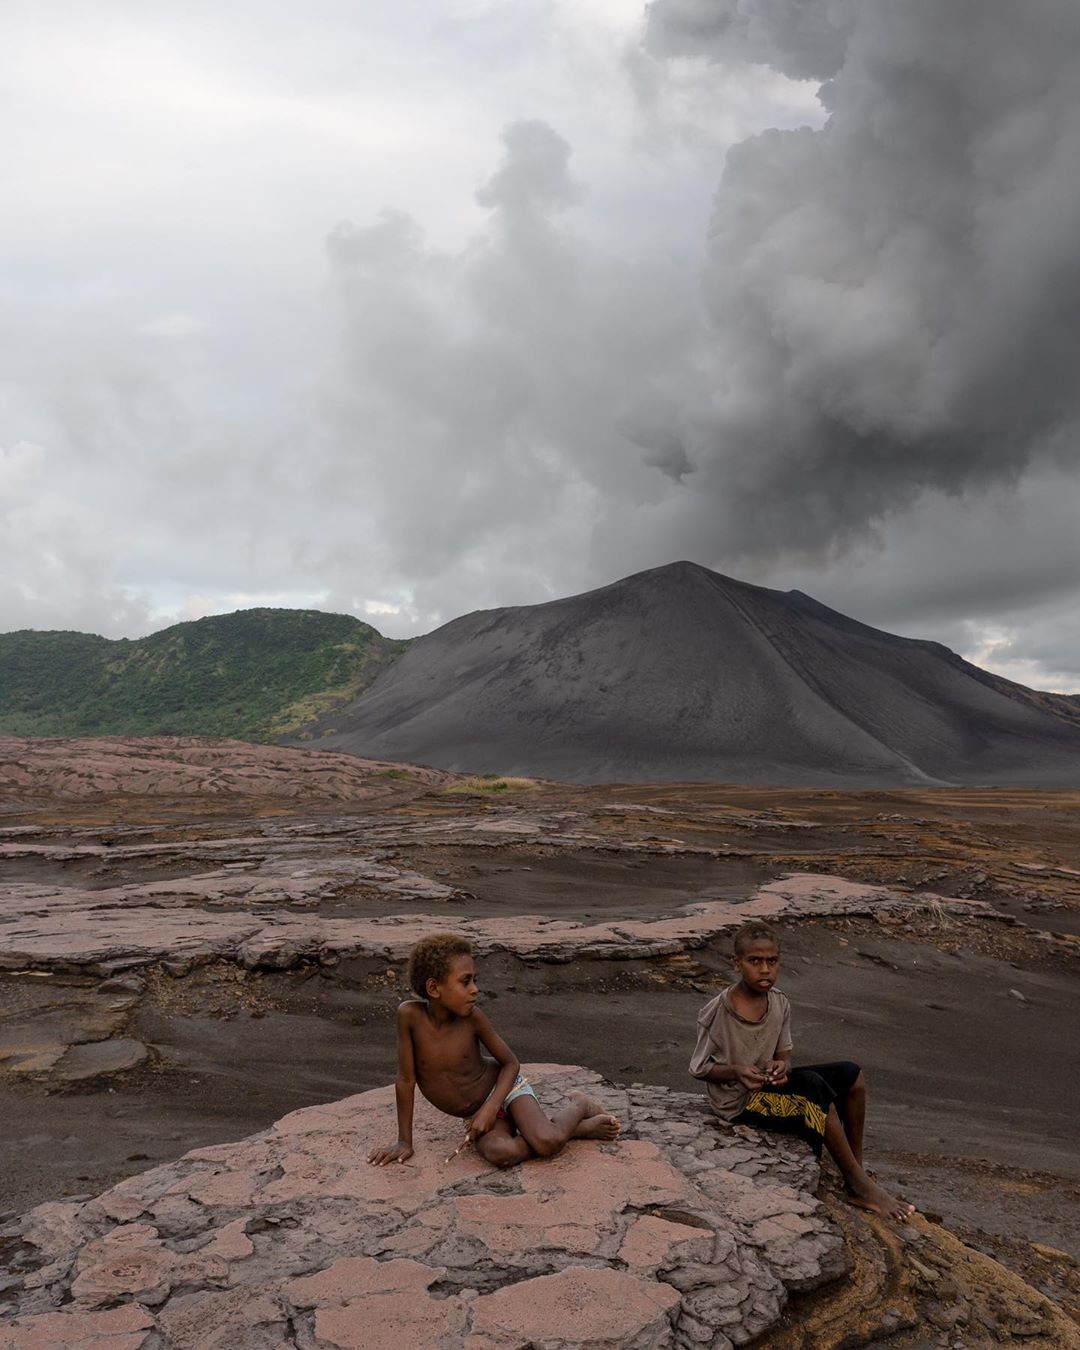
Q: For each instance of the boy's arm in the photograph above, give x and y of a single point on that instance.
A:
(778, 1068)
(509, 1067)
(404, 1092)
(749, 1075)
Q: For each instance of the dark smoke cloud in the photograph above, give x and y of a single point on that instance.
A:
(806, 41)
(893, 297)
(876, 350)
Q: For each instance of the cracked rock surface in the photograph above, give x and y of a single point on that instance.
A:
(683, 1233)
(160, 896)
(261, 919)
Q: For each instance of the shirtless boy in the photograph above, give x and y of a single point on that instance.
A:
(743, 1053)
(442, 1037)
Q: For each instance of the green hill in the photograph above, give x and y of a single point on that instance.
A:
(257, 675)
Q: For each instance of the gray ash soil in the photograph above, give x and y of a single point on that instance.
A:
(99, 874)
(586, 884)
(969, 1030)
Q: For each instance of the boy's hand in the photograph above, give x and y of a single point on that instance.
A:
(399, 1152)
(750, 1076)
(483, 1121)
(776, 1072)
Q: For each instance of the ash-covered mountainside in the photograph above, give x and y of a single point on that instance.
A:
(680, 673)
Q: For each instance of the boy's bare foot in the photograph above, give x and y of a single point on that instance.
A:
(601, 1126)
(595, 1123)
(872, 1197)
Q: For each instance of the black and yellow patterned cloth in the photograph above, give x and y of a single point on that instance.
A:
(801, 1106)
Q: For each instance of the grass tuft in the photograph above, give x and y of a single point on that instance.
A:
(489, 782)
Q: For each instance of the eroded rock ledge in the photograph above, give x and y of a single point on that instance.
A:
(118, 928)
(683, 1234)
(113, 931)
(78, 768)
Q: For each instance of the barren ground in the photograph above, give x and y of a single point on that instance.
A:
(967, 1024)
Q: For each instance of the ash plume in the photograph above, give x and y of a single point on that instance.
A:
(883, 317)
(893, 297)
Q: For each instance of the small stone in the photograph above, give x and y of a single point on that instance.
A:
(893, 1320)
(100, 1057)
(123, 984)
(1053, 1254)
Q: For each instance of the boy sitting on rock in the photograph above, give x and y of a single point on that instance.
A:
(441, 1039)
(743, 1053)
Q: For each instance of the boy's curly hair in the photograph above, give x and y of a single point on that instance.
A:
(754, 931)
(430, 959)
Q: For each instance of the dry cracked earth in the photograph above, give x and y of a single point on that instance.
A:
(198, 938)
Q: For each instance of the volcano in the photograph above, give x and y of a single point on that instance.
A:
(679, 673)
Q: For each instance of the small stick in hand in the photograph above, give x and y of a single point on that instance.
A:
(464, 1144)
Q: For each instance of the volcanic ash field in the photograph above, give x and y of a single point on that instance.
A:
(199, 938)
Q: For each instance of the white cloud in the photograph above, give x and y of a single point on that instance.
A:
(175, 324)
(18, 467)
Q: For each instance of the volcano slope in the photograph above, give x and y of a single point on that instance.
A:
(680, 673)
(198, 938)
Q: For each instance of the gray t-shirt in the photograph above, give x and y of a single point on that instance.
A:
(726, 1038)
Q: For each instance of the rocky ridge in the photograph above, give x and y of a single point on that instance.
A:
(114, 931)
(257, 898)
(122, 927)
(69, 768)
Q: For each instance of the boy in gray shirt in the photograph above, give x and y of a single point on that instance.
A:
(743, 1054)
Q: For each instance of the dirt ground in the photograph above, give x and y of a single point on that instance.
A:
(968, 1029)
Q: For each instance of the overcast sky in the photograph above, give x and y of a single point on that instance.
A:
(412, 307)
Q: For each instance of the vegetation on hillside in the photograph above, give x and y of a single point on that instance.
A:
(488, 782)
(256, 675)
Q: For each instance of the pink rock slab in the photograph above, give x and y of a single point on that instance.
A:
(292, 1237)
(122, 1328)
(581, 1306)
(54, 931)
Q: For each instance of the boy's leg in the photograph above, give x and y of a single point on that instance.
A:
(581, 1118)
(806, 1106)
(845, 1080)
(862, 1191)
(855, 1117)
(501, 1147)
